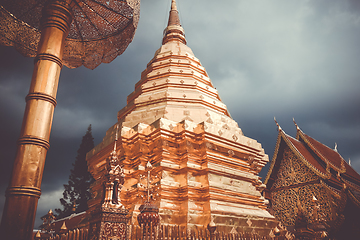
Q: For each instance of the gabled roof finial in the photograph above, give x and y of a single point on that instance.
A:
(335, 148)
(277, 124)
(297, 127)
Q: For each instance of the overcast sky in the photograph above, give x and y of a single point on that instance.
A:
(282, 58)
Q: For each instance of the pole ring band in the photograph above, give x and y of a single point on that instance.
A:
(49, 57)
(58, 14)
(41, 96)
(26, 191)
(35, 141)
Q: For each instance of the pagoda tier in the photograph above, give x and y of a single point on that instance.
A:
(176, 120)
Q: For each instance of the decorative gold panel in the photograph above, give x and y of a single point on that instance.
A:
(294, 189)
(292, 171)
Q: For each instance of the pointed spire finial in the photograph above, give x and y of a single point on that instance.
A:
(174, 31)
(297, 127)
(173, 5)
(174, 15)
(335, 148)
(279, 128)
(349, 162)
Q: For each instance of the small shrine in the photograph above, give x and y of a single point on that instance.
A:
(109, 219)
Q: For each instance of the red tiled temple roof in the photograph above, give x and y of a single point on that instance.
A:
(327, 163)
(71, 222)
(318, 157)
(329, 154)
(333, 157)
(301, 148)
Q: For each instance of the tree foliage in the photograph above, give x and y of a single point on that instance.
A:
(77, 191)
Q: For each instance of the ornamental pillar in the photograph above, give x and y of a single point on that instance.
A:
(24, 189)
(148, 219)
(109, 223)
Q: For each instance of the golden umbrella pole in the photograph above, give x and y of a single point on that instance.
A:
(24, 189)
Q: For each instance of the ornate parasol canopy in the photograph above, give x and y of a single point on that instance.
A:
(99, 32)
(55, 32)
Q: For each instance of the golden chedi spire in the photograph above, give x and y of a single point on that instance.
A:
(175, 86)
(175, 120)
(174, 31)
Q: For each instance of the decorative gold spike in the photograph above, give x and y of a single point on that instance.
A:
(297, 127)
(277, 124)
(63, 226)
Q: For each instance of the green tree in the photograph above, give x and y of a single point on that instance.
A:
(77, 191)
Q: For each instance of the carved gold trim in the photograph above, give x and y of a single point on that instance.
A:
(273, 160)
(306, 162)
(282, 135)
(353, 198)
(295, 185)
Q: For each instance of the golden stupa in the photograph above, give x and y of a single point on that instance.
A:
(176, 120)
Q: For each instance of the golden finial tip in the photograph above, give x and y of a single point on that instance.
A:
(277, 124)
(173, 5)
(297, 127)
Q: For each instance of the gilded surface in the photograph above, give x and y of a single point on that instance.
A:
(24, 187)
(292, 171)
(176, 120)
(112, 230)
(294, 190)
(200, 177)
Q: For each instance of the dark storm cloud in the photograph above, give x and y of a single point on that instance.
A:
(282, 58)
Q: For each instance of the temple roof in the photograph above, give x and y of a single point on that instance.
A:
(325, 162)
(71, 222)
(330, 156)
(301, 148)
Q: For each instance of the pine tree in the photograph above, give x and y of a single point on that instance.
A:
(77, 191)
